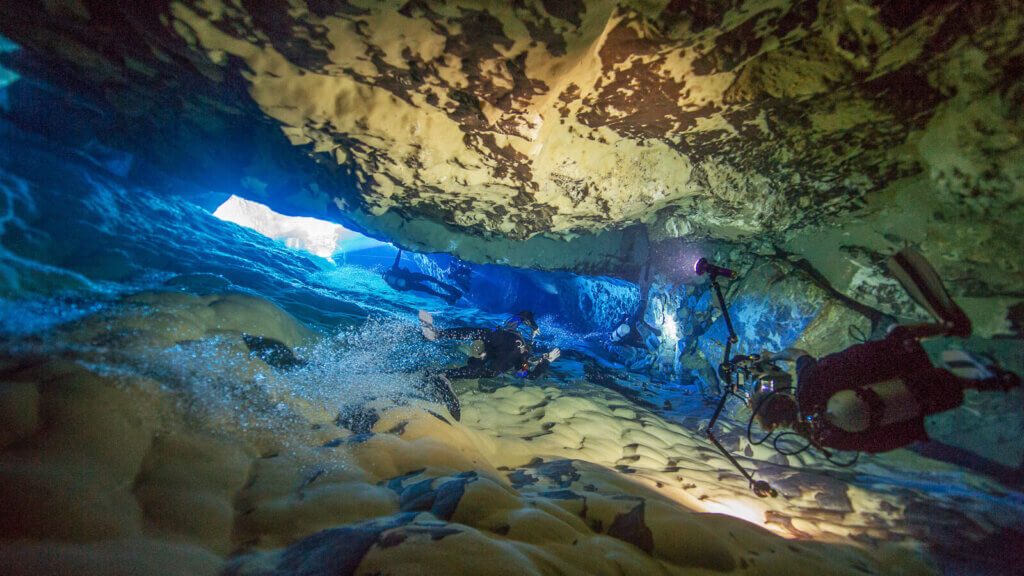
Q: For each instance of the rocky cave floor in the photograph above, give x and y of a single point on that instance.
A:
(146, 439)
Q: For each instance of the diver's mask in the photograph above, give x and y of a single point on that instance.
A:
(515, 324)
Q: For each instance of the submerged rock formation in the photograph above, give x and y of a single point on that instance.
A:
(148, 439)
(208, 431)
(832, 131)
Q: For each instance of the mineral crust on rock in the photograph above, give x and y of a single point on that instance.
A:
(834, 129)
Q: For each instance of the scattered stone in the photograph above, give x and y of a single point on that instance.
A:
(276, 354)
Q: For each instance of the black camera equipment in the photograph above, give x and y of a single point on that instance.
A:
(730, 371)
(741, 373)
(702, 267)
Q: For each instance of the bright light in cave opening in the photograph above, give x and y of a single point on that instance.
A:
(318, 237)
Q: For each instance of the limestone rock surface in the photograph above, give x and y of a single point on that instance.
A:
(169, 448)
(835, 130)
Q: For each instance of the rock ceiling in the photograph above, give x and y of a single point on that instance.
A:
(813, 128)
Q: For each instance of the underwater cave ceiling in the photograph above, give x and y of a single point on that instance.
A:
(828, 131)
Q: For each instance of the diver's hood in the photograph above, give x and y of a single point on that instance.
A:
(524, 318)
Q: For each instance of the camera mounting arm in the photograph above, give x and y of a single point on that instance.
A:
(760, 487)
(726, 370)
(728, 319)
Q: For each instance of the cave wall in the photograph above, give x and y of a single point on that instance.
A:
(591, 136)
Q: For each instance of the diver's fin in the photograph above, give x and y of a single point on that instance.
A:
(922, 283)
(275, 353)
(963, 365)
(445, 394)
(427, 326)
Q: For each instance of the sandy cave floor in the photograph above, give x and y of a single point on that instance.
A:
(146, 439)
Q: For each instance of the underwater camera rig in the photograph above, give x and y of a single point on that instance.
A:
(747, 377)
(730, 371)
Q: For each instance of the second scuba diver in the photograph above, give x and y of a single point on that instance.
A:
(633, 330)
(403, 280)
(499, 350)
(873, 397)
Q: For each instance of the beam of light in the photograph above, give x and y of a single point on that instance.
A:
(683, 260)
(670, 329)
(736, 509)
(743, 510)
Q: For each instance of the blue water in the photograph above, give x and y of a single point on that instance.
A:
(83, 226)
(76, 234)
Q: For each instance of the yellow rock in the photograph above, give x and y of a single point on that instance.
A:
(131, 445)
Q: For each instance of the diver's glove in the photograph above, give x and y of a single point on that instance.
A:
(553, 355)
(1003, 380)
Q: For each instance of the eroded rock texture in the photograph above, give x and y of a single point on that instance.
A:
(150, 439)
(850, 125)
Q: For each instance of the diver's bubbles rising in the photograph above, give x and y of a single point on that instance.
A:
(217, 383)
(380, 359)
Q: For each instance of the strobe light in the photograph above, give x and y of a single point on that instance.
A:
(702, 267)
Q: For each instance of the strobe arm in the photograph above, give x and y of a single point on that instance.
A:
(726, 370)
(760, 487)
(728, 320)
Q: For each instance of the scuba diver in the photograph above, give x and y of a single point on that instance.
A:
(503, 349)
(633, 330)
(873, 397)
(635, 334)
(403, 280)
(634, 346)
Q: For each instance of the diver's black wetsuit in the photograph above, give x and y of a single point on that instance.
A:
(403, 280)
(504, 351)
(634, 338)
